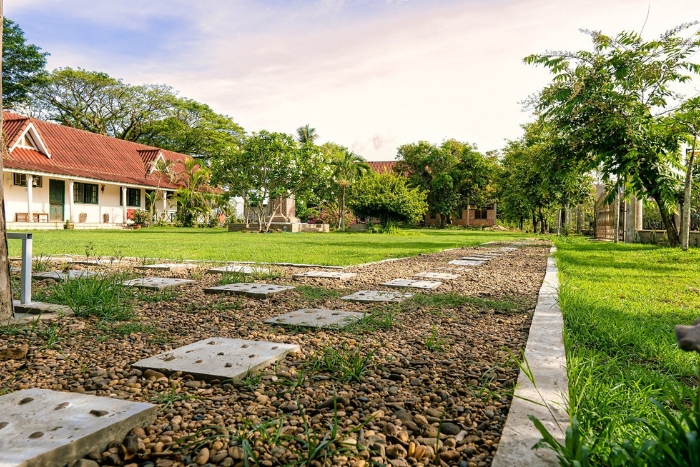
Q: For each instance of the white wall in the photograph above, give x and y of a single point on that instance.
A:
(16, 197)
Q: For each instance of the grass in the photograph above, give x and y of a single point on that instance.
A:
(620, 304)
(344, 364)
(335, 248)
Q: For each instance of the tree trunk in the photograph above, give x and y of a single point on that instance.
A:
(272, 213)
(579, 220)
(534, 221)
(541, 221)
(342, 212)
(616, 216)
(559, 216)
(669, 223)
(685, 214)
(5, 284)
(442, 221)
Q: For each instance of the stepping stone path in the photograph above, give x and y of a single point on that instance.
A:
(94, 262)
(63, 276)
(249, 289)
(156, 283)
(466, 262)
(326, 275)
(53, 429)
(317, 318)
(171, 267)
(238, 269)
(476, 258)
(37, 308)
(437, 275)
(427, 285)
(369, 296)
(218, 358)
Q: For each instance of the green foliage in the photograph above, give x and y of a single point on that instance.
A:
(452, 174)
(388, 198)
(102, 296)
(192, 197)
(23, 65)
(434, 342)
(342, 363)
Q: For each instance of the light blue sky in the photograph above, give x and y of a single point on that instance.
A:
(371, 75)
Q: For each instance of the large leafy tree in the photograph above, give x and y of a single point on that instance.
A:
(387, 197)
(23, 65)
(605, 105)
(453, 174)
(348, 168)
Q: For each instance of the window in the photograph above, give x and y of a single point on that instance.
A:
(133, 197)
(85, 193)
(21, 180)
(26, 142)
(481, 213)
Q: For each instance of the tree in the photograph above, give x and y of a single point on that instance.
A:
(306, 134)
(605, 107)
(348, 168)
(193, 195)
(23, 65)
(165, 169)
(687, 121)
(453, 174)
(387, 197)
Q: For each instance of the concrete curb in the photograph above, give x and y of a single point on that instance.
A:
(547, 360)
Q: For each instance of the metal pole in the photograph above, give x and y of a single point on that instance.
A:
(26, 285)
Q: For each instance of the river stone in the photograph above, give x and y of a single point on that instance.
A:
(249, 289)
(428, 285)
(157, 283)
(53, 429)
(218, 358)
(317, 318)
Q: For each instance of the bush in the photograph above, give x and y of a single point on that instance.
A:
(141, 217)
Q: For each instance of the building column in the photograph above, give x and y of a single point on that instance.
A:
(165, 200)
(124, 204)
(30, 200)
(71, 201)
(638, 215)
(629, 220)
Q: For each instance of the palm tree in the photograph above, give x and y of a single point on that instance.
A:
(165, 169)
(191, 196)
(348, 168)
(306, 134)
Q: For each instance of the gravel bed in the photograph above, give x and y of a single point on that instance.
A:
(435, 390)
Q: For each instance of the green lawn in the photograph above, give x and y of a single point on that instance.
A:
(220, 245)
(620, 304)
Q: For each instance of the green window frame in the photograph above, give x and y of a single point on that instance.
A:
(85, 193)
(133, 198)
(21, 180)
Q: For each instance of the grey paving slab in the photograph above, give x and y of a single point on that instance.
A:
(476, 258)
(249, 289)
(416, 284)
(237, 268)
(317, 318)
(157, 283)
(63, 276)
(219, 358)
(93, 262)
(326, 275)
(437, 275)
(368, 296)
(38, 308)
(466, 262)
(47, 428)
(509, 248)
(171, 267)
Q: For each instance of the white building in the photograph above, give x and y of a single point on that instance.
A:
(53, 174)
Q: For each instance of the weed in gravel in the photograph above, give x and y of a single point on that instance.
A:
(168, 398)
(167, 294)
(102, 296)
(250, 381)
(375, 321)
(234, 278)
(116, 257)
(228, 303)
(434, 342)
(343, 364)
(51, 335)
(41, 263)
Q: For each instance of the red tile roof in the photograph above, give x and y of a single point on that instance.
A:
(83, 154)
(382, 167)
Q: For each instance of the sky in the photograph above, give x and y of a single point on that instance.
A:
(367, 74)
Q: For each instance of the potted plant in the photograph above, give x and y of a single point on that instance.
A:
(69, 225)
(141, 218)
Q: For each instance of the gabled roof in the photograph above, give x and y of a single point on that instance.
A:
(83, 154)
(382, 167)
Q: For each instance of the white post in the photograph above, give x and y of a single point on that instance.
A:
(26, 284)
(30, 200)
(124, 204)
(165, 200)
(71, 201)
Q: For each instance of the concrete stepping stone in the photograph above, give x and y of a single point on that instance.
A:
(63, 276)
(476, 258)
(326, 275)
(369, 296)
(170, 267)
(95, 262)
(53, 429)
(218, 358)
(317, 318)
(157, 283)
(508, 248)
(466, 262)
(427, 285)
(249, 289)
(437, 275)
(238, 269)
(38, 308)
